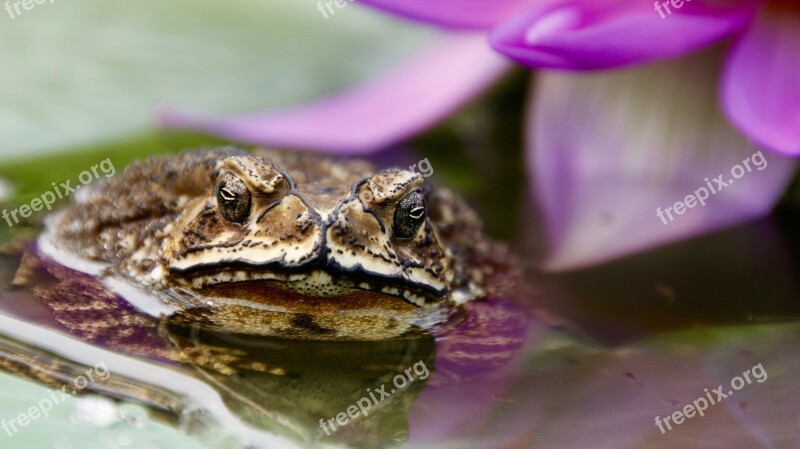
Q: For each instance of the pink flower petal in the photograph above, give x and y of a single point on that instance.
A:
(761, 87)
(479, 14)
(609, 149)
(594, 34)
(373, 116)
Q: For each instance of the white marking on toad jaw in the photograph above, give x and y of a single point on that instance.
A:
(377, 266)
(260, 252)
(407, 295)
(416, 299)
(316, 283)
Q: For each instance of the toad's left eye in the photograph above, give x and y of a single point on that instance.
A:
(233, 199)
(409, 215)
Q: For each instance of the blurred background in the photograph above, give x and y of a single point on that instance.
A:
(78, 74)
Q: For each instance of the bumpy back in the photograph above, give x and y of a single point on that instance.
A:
(108, 223)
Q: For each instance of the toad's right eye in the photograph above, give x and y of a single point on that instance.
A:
(233, 199)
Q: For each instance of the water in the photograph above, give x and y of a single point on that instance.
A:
(587, 359)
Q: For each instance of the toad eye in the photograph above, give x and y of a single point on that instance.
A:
(409, 215)
(233, 199)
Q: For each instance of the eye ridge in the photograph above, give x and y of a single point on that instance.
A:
(409, 215)
(233, 199)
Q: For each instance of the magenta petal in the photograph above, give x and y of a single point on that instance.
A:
(454, 13)
(761, 87)
(595, 34)
(373, 116)
(608, 150)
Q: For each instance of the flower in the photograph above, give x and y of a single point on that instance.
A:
(606, 149)
(760, 90)
(370, 117)
(760, 74)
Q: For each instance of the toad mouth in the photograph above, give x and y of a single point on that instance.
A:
(312, 281)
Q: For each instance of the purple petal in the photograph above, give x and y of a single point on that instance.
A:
(592, 34)
(373, 116)
(479, 14)
(761, 87)
(609, 149)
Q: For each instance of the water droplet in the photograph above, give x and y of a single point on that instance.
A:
(95, 410)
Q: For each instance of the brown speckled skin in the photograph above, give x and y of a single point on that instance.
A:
(318, 226)
(143, 221)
